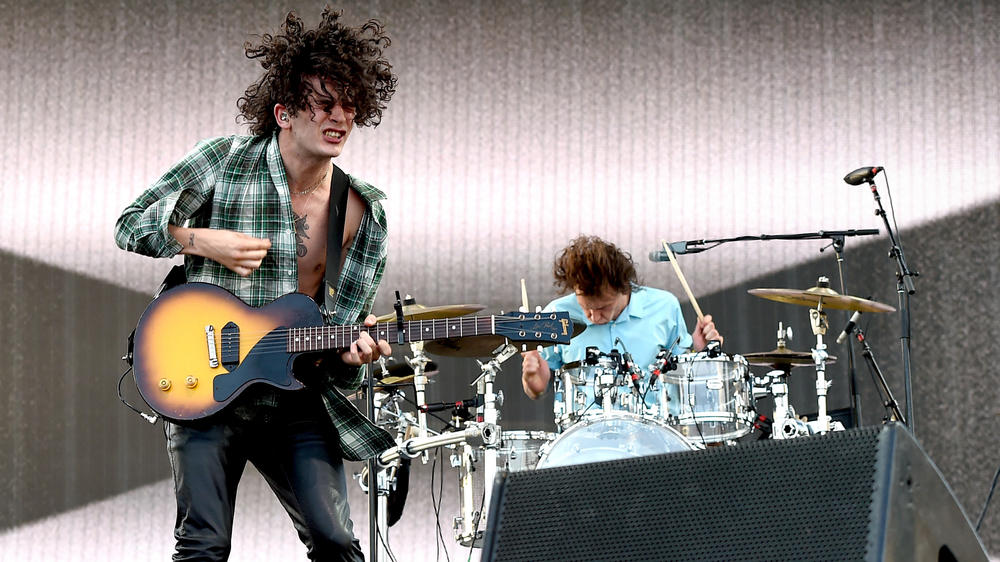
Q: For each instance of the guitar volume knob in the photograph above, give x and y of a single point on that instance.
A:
(191, 381)
(164, 385)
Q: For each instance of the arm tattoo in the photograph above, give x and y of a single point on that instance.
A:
(191, 240)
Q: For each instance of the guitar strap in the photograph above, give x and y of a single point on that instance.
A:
(335, 238)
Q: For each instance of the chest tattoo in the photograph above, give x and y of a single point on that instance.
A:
(301, 226)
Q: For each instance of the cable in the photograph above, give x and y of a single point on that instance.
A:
(150, 418)
(436, 503)
(475, 528)
(989, 497)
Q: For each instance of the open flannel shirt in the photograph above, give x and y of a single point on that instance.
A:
(238, 183)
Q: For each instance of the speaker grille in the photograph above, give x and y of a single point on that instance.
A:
(807, 498)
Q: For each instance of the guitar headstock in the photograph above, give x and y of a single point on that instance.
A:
(541, 327)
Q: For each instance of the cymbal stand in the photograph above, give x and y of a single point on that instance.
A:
(490, 420)
(388, 412)
(419, 363)
(838, 247)
(817, 318)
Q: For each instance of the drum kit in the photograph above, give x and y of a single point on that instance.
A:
(604, 408)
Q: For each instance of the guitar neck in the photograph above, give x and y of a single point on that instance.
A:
(318, 338)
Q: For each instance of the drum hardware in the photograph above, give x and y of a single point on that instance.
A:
(821, 297)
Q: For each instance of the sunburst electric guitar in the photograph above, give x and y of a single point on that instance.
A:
(197, 346)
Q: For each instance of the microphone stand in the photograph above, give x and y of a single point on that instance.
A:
(838, 247)
(685, 247)
(904, 288)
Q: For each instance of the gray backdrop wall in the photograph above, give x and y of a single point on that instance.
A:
(518, 125)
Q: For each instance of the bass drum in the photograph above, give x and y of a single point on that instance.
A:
(612, 436)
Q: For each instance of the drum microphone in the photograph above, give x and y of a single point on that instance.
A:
(862, 175)
(849, 327)
(677, 248)
(461, 404)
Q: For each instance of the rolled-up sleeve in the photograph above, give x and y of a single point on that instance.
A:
(143, 225)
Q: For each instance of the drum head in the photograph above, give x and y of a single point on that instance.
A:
(612, 436)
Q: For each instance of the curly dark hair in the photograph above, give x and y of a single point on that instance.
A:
(350, 57)
(590, 265)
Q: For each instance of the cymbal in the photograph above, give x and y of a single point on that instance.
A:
(815, 295)
(399, 375)
(782, 357)
(483, 346)
(421, 312)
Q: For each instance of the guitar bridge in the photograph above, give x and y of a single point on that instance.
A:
(213, 358)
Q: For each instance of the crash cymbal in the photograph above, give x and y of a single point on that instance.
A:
(421, 312)
(484, 346)
(813, 296)
(782, 356)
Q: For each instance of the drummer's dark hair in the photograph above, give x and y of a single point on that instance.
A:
(349, 56)
(590, 264)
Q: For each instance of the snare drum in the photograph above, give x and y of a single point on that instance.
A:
(611, 436)
(710, 398)
(519, 450)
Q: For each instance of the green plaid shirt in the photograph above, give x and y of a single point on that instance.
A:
(238, 183)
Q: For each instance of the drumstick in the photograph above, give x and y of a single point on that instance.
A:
(680, 275)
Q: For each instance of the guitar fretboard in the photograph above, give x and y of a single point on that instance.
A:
(317, 338)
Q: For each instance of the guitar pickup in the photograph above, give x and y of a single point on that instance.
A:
(230, 346)
(213, 359)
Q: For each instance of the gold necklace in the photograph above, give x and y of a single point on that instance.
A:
(311, 189)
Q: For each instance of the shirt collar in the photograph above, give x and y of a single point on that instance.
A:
(367, 191)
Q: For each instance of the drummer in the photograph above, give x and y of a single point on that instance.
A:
(618, 312)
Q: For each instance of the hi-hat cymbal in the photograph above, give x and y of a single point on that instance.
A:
(783, 357)
(399, 375)
(421, 312)
(484, 346)
(815, 295)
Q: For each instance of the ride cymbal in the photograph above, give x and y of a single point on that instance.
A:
(421, 312)
(812, 297)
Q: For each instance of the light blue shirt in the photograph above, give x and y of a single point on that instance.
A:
(651, 321)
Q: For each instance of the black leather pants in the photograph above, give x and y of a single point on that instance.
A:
(293, 447)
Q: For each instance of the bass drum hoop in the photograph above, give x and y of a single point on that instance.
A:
(659, 438)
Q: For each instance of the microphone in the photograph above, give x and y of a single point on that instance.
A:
(677, 248)
(440, 406)
(849, 327)
(862, 175)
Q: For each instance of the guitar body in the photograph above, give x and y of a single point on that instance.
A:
(173, 364)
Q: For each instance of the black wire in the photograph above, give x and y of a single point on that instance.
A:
(988, 498)
(475, 528)
(436, 503)
(384, 540)
(145, 416)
